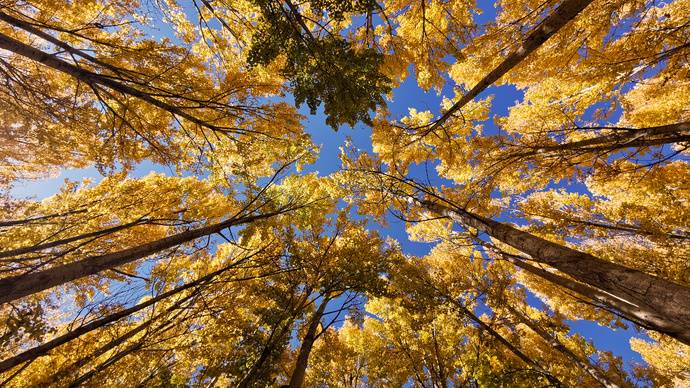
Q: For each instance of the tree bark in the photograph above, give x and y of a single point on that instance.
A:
(15, 287)
(106, 364)
(64, 372)
(658, 303)
(565, 12)
(32, 29)
(585, 365)
(638, 137)
(267, 350)
(299, 372)
(620, 307)
(25, 221)
(53, 244)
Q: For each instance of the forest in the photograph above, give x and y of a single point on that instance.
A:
(345, 193)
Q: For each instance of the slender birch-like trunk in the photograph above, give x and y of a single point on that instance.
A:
(18, 286)
(657, 303)
(300, 370)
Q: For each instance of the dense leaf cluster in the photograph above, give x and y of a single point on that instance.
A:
(322, 69)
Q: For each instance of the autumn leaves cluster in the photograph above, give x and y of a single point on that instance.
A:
(236, 268)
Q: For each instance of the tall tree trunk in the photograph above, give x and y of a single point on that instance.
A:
(18, 286)
(32, 29)
(64, 372)
(266, 353)
(439, 360)
(565, 12)
(599, 298)
(585, 365)
(106, 364)
(138, 345)
(282, 330)
(638, 137)
(300, 370)
(84, 236)
(4, 224)
(660, 304)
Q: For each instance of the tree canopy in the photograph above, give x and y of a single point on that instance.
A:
(236, 263)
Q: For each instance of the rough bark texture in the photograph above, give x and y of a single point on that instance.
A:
(659, 304)
(638, 137)
(300, 370)
(604, 299)
(15, 287)
(547, 28)
(585, 365)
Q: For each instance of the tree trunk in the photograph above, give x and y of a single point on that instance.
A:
(4, 224)
(64, 372)
(282, 330)
(659, 304)
(565, 12)
(639, 137)
(106, 364)
(32, 29)
(56, 243)
(606, 300)
(265, 354)
(585, 365)
(18, 286)
(299, 372)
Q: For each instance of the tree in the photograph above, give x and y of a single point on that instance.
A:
(86, 86)
(231, 266)
(481, 164)
(321, 65)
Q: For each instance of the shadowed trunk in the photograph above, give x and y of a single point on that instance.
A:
(108, 363)
(626, 138)
(84, 236)
(63, 373)
(599, 299)
(299, 372)
(266, 353)
(657, 303)
(565, 12)
(43, 349)
(15, 287)
(95, 79)
(267, 350)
